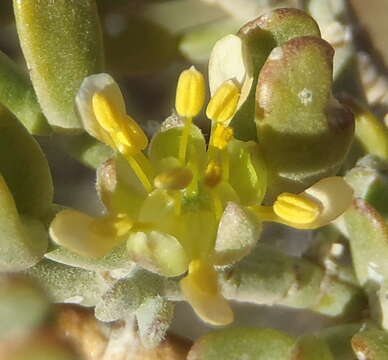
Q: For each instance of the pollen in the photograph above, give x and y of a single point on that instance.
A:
(190, 93)
(222, 136)
(126, 134)
(296, 209)
(174, 179)
(222, 106)
(213, 174)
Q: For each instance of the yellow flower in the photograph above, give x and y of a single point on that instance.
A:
(184, 206)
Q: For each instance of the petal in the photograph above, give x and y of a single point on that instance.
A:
(75, 231)
(165, 144)
(119, 188)
(201, 290)
(105, 84)
(248, 171)
(334, 194)
(237, 235)
(226, 62)
(157, 252)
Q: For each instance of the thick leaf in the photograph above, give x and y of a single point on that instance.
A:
(305, 134)
(260, 36)
(153, 318)
(17, 94)
(61, 41)
(371, 345)
(23, 241)
(368, 236)
(241, 343)
(127, 294)
(370, 182)
(23, 306)
(68, 284)
(117, 259)
(24, 168)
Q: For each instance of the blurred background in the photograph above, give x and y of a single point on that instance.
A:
(147, 44)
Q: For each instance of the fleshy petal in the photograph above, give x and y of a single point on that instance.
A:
(158, 252)
(77, 232)
(201, 290)
(105, 84)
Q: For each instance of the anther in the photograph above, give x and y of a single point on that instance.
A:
(222, 136)
(175, 179)
(213, 174)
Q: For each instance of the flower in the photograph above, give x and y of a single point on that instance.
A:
(185, 206)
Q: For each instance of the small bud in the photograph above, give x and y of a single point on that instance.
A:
(222, 136)
(296, 208)
(174, 179)
(190, 93)
(223, 104)
(125, 132)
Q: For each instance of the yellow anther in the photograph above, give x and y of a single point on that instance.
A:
(222, 106)
(296, 209)
(222, 136)
(126, 134)
(190, 93)
(213, 174)
(174, 179)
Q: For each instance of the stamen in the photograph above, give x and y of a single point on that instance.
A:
(141, 167)
(296, 209)
(217, 203)
(222, 106)
(185, 140)
(125, 132)
(112, 226)
(174, 179)
(222, 136)
(190, 94)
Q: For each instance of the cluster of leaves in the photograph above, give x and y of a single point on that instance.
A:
(287, 106)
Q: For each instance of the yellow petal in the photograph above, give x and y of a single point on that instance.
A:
(86, 235)
(200, 288)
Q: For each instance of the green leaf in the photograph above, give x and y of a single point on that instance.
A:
(305, 134)
(23, 306)
(241, 343)
(25, 168)
(17, 94)
(260, 36)
(61, 41)
(116, 259)
(127, 294)
(69, 284)
(310, 347)
(370, 182)
(154, 317)
(23, 241)
(368, 236)
(371, 345)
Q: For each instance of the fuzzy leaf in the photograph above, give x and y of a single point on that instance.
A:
(241, 343)
(304, 133)
(17, 94)
(153, 318)
(25, 168)
(260, 36)
(61, 41)
(368, 236)
(127, 294)
(23, 306)
(67, 284)
(116, 259)
(23, 241)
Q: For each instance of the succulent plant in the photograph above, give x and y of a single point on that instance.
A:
(192, 211)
